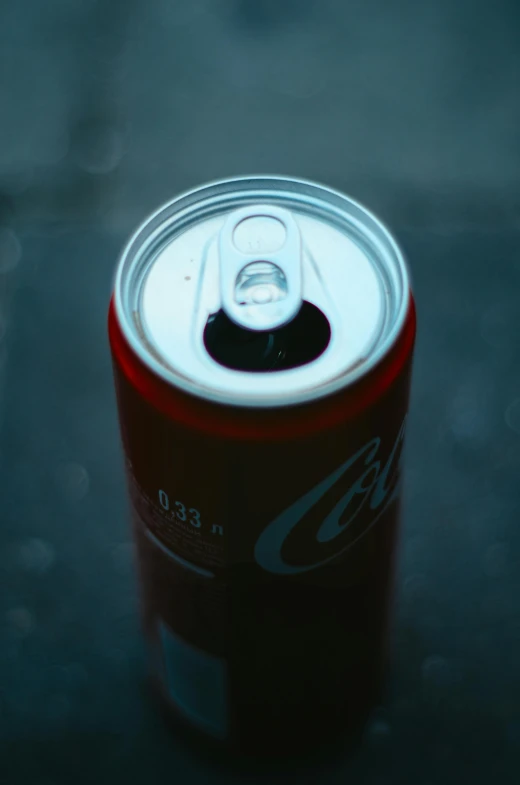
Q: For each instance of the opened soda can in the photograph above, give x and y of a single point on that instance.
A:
(262, 332)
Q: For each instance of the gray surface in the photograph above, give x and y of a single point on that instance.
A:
(108, 109)
(72, 703)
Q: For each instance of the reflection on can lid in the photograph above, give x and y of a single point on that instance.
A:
(255, 249)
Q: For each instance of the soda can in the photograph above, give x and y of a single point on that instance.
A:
(262, 332)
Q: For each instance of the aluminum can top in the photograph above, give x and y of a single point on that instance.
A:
(255, 249)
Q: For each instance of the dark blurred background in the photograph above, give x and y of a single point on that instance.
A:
(108, 109)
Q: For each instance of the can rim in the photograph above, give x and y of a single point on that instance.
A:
(150, 227)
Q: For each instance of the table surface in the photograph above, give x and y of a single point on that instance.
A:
(73, 707)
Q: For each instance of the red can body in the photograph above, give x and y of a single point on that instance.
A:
(278, 638)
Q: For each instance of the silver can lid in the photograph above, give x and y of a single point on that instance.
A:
(256, 248)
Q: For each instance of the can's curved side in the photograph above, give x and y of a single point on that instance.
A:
(266, 542)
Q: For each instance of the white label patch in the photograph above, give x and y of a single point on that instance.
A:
(196, 682)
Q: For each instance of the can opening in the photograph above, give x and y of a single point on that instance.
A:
(297, 343)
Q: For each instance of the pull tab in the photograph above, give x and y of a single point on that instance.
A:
(260, 267)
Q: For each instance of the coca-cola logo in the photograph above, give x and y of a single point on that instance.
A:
(371, 488)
